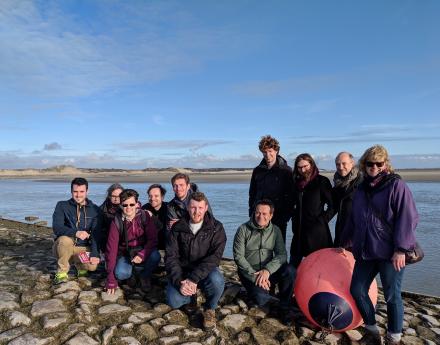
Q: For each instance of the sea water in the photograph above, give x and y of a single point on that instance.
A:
(229, 201)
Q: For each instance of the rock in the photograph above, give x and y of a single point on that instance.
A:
(192, 333)
(354, 335)
(158, 322)
(411, 340)
(67, 296)
(170, 329)
(40, 308)
(211, 340)
(30, 339)
(288, 338)
(8, 305)
(425, 333)
(271, 326)
(169, 340)
(67, 286)
(243, 337)
(8, 297)
(30, 218)
(223, 312)
(71, 331)
(92, 330)
(126, 326)
(90, 297)
(140, 317)
(306, 332)
(30, 296)
(233, 308)
(129, 341)
(112, 298)
(236, 323)
(17, 318)
(41, 223)
(148, 332)
(409, 331)
(191, 343)
(54, 321)
(82, 339)
(432, 320)
(113, 309)
(11, 334)
(108, 335)
(177, 317)
(261, 338)
(161, 308)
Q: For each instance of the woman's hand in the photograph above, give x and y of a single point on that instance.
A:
(111, 291)
(137, 259)
(398, 261)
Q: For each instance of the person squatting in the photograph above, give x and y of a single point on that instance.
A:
(129, 239)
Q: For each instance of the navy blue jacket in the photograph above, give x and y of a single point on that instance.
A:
(66, 216)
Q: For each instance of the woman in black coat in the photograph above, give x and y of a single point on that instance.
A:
(313, 209)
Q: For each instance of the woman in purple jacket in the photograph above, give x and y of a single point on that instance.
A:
(132, 243)
(381, 229)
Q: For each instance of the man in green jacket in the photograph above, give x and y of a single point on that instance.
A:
(261, 258)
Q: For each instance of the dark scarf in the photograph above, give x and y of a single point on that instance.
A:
(301, 182)
(345, 181)
(377, 182)
(110, 207)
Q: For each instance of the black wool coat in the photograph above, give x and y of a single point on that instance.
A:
(313, 209)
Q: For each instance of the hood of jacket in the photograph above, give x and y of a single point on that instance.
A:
(280, 163)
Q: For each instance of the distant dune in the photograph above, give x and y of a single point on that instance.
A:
(151, 175)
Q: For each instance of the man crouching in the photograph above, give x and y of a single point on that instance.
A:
(193, 252)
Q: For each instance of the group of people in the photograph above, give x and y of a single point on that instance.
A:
(376, 220)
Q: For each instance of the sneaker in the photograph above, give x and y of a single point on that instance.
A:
(60, 277)
(82, 273)
(145, 284)
(285, 317)
(391, 341)
(371, 338)
(209, 319)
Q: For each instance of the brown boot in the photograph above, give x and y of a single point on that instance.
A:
(209, 319)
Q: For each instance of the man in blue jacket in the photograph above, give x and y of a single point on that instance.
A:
(76, 226)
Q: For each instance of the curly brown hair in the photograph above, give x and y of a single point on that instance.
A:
(376, 153)
(268, 142)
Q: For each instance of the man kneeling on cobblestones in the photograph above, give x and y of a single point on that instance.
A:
(76, 225)
(193, 252)
(261, 259)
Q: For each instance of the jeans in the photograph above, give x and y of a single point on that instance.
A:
(284, 277)
(363, 274)
(212, 287)
(124, 266)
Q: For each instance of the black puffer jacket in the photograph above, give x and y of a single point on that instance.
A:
(193, 257)
(312, 212)
(274, 184)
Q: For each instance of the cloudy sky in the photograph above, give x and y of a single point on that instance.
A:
(140, 84)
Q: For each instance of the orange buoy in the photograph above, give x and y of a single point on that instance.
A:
(322, 290)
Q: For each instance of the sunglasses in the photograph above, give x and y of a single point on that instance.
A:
(372, 164)
(126, 205)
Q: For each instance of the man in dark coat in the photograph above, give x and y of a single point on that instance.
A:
(313, 209)
(157, 208)
(110, 207)
(346, 180)
(272, 179)
(193, 252)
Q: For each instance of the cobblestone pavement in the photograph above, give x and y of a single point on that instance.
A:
(79, 312)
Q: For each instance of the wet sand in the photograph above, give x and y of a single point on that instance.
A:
(137, 176)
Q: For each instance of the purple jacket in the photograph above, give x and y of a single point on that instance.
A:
(365, 232)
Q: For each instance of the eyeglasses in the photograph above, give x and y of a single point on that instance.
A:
(126, 205)
(372, 164)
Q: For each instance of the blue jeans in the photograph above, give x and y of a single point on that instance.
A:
(124, 266)
(284, 277)
(363, 274)
(212, 287)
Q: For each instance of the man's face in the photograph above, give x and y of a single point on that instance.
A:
(79, 193)
(263, 215)
(155, 198)
(181, 188)
(270, 156)
(114, 197)
(344, 164)
(304, 168)
(197, 210)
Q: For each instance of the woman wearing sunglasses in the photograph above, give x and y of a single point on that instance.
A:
(381, 229)
(132, 244)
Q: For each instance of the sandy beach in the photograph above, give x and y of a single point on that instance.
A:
(164, 175)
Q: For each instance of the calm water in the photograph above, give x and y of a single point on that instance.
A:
(22, 198)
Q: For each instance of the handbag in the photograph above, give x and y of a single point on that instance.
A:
(413, 255)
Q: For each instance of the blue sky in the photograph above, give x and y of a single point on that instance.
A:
(135, 84)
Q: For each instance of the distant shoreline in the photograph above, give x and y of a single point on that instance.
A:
(163, 175)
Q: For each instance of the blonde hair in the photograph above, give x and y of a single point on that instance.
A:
(376, 153)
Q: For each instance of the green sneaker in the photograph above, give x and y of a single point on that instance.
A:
(82, 273)
(60, 277)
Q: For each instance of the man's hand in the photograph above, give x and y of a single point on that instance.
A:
(263, 279)
(398, 261)
(187, 287)
(137, 259)
(82, 235)
(94, 261)
(171, 223)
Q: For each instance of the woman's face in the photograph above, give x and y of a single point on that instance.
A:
(374, 167)
(129, 207)
(303, 167)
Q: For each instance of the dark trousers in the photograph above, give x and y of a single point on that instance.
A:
(363, 274)
(284, 277)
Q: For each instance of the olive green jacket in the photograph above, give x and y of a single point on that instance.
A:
(258, 248)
